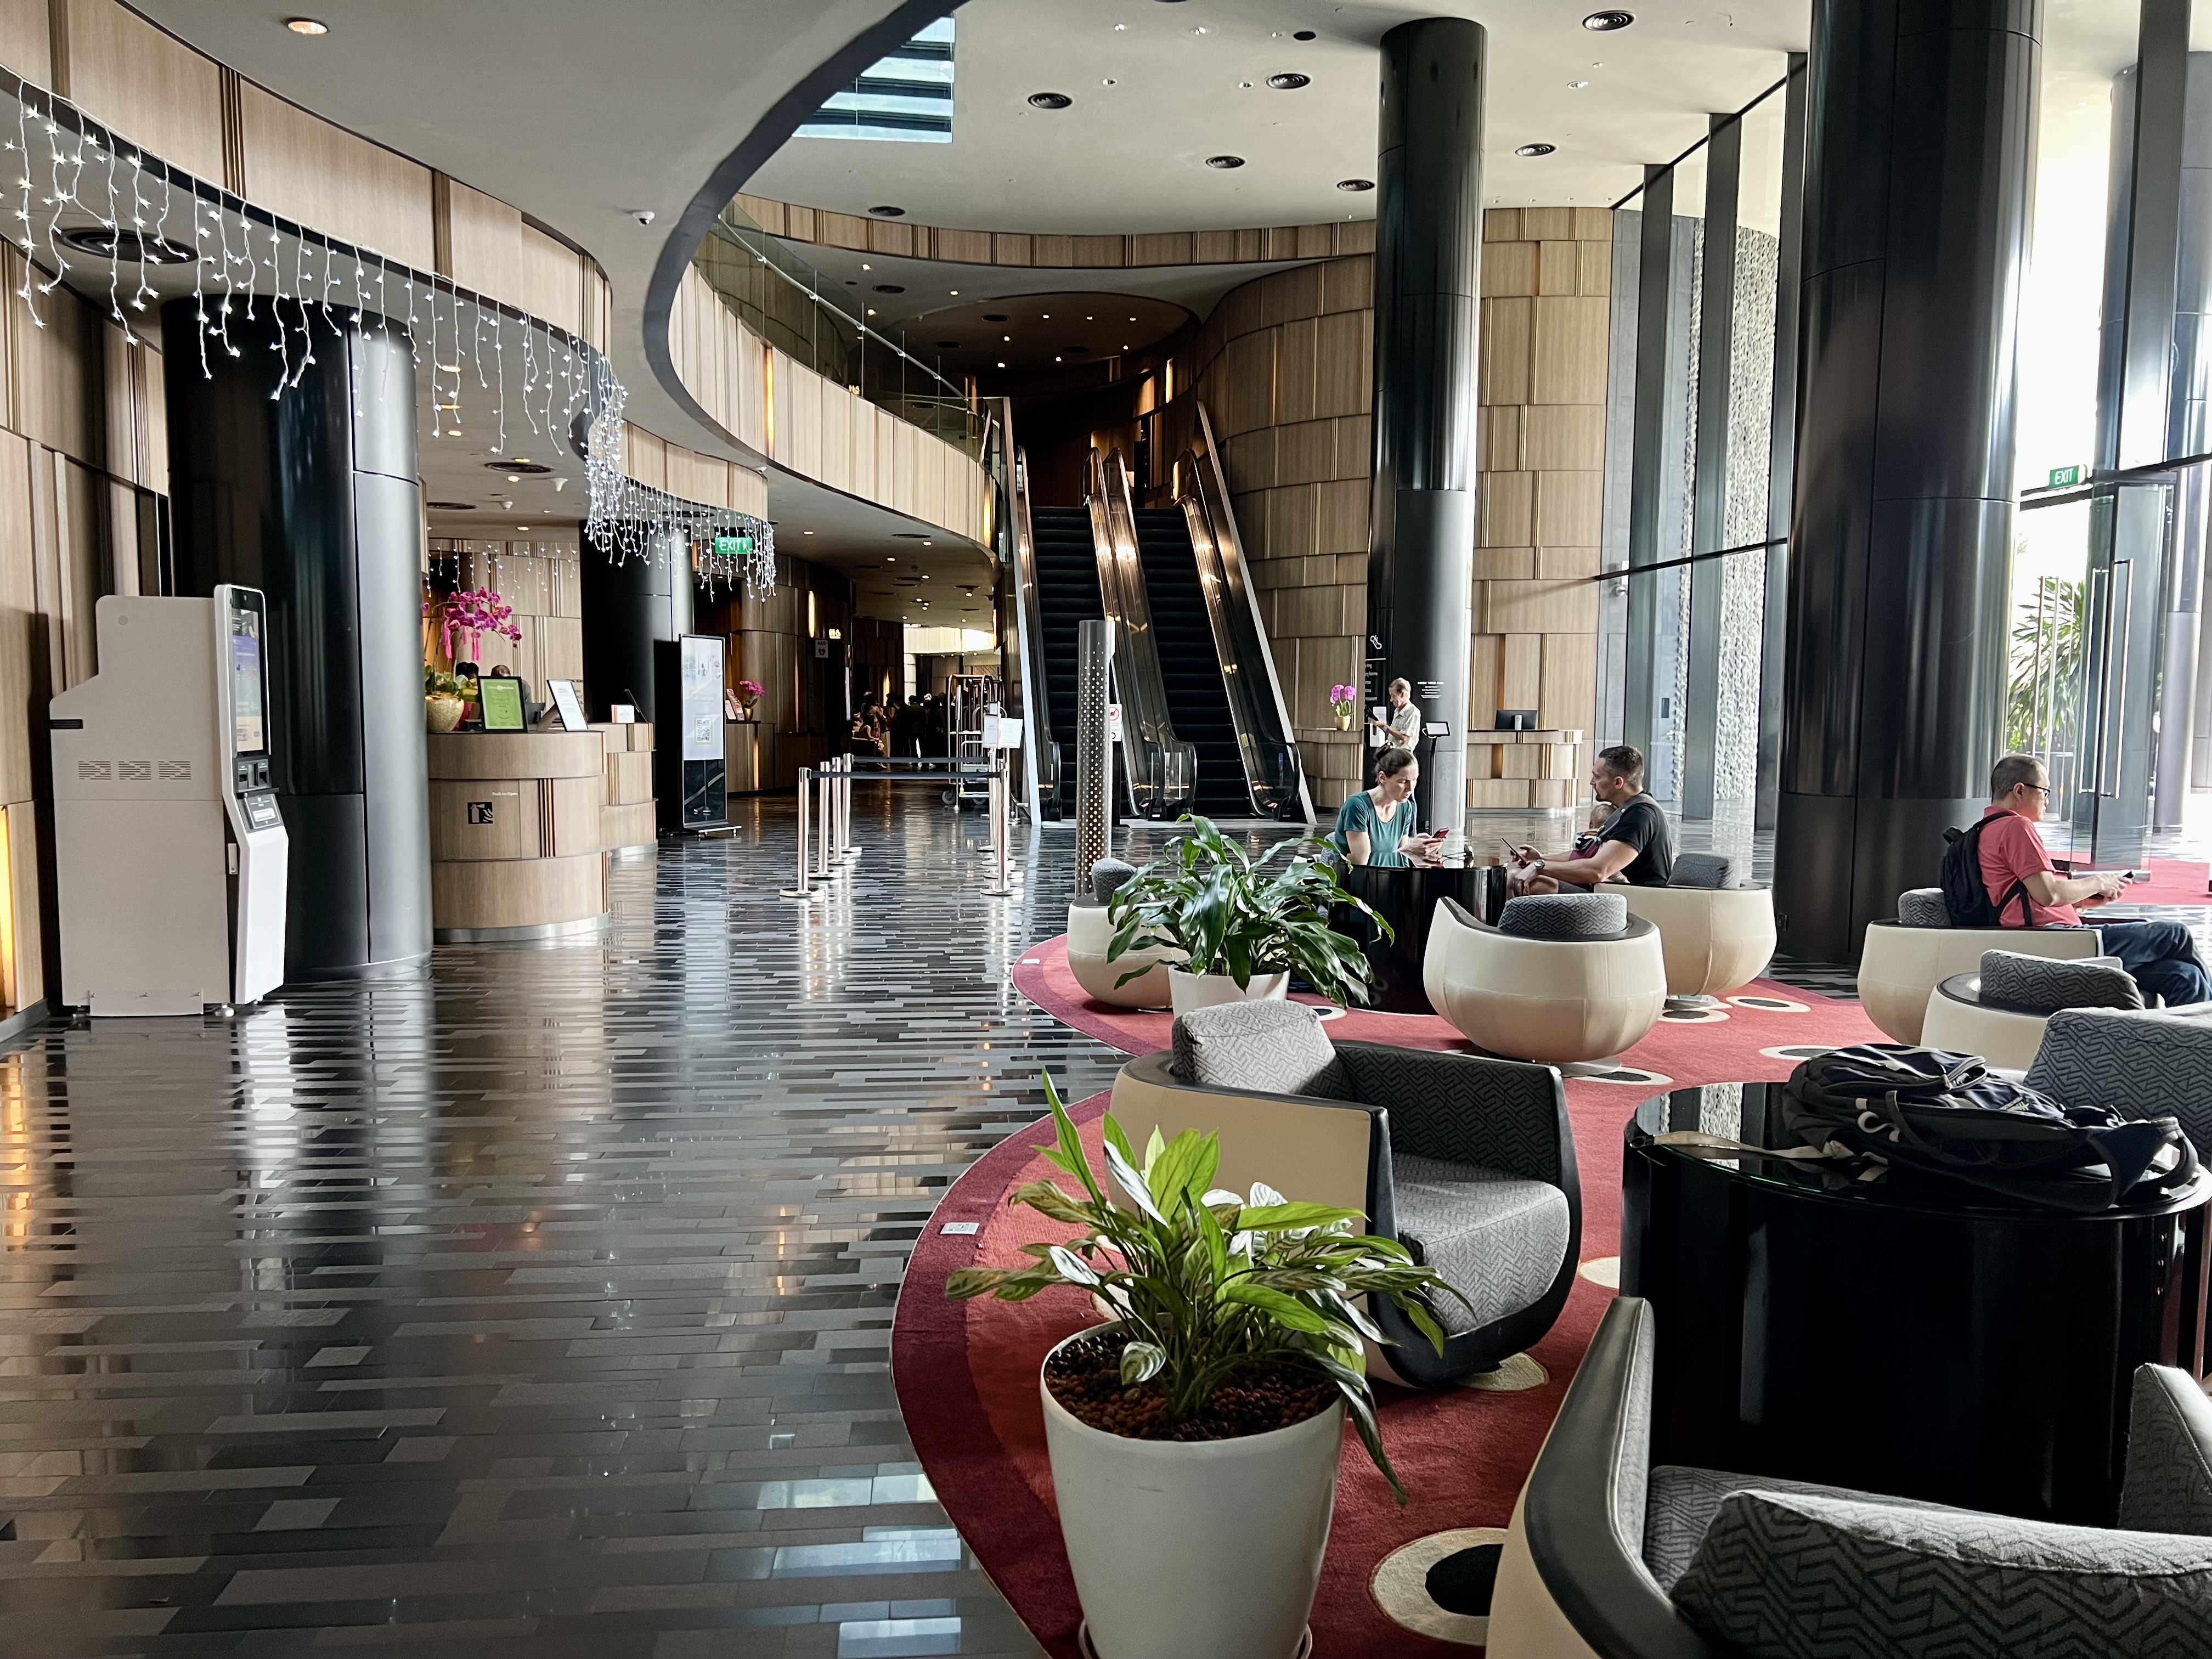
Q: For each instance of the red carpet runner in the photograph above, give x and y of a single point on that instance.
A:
(967, 1374)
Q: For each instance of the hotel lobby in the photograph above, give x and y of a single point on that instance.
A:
(1242, 829)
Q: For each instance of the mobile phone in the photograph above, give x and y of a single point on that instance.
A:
(1512, 852)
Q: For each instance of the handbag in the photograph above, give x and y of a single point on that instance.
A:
(1945, 1114)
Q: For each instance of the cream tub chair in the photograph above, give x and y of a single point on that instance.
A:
(1715, 934)
(1904, 961)
(1563, 978)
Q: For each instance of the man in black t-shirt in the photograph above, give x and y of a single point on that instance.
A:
(1636, 845)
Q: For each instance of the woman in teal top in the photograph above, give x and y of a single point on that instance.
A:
(1376, 826)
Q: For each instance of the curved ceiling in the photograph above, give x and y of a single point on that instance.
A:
(1159, 87)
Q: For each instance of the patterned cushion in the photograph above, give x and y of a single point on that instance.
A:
(1793, 1576)
(1704, 870)
(2169, 1484)
(1681, 1504)
(1273, 1048)
(1463, 1109)
(1497, 1239)
(2145, 1063)
(1923, 906)
(2042, 985)
(1107, 875)
(1564, 916)
(1632, 1453)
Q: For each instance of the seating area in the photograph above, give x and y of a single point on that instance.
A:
(1906, 958)
(1563, 978)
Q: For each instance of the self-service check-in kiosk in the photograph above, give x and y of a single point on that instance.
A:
(171, 854)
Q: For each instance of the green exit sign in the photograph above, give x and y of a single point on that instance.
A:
(734, 547)
(2066, 477)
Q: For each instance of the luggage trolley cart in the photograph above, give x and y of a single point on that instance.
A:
(970, 698)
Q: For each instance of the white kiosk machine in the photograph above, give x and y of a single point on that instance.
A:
(171, 854)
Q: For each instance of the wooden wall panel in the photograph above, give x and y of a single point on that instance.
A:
(130, 76)
(23, 634)
(305, 168)
(549, 279)
(485, 237)
(23, 39)
(60, 371)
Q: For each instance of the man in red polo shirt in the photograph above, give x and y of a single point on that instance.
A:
(2029, 892)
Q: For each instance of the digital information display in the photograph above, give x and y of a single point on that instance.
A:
(249, 722)
(701, 669)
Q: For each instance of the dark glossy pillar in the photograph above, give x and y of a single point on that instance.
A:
(1919, 160)
(313, 498)
(633, 605)
(1420, 567)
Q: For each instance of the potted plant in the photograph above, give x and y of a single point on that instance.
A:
(443, 697)
(1195, 1439)
(1244, 927)
(1342, 700)
(748, 694)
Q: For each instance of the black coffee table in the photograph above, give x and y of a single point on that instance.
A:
(1405, 896)
(1912, 1335)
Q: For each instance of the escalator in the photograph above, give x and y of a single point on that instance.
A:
(1190, 669)
(1067, 596)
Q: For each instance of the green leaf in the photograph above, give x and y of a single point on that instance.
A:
(1283, 1309)
(1116, 1139)
(1072, 1267)
(1272, 1218)
(1141, 1362)
(1217, 1244)
(1133, 1182)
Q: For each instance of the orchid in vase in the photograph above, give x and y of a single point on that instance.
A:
(1342, 699)
(472, 614)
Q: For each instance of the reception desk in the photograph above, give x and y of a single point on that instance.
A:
(515, 851)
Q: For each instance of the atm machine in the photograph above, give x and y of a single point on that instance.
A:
(171, 854)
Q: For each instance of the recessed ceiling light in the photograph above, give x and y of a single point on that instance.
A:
(1355, 185)
(1577, 86)
(891, 558)
(1108, 81)
(522, 526)
(1001, 365)
(806, 532)
(888, 212)
(872, 310)
(306, 26)
(1603, 22)
(1526, 149)
(1245, 86)
(449, 369)
(1059, 360)
(1289, 81)
(1048, 317)
(1049, 101)
(1201, 29)
(1225, 162)
(1007, 339)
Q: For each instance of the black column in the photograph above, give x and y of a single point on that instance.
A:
(1420, 567)
(313, 498)
(1920, 156)
(632, 604)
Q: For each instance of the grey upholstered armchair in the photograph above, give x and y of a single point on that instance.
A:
(1611, 1557)
(1468, 1162)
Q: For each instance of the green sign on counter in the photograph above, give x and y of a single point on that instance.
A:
(2066, 477)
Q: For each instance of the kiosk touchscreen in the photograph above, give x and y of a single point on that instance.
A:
(171, 854)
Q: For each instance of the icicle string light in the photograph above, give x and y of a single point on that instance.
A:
(241, 259)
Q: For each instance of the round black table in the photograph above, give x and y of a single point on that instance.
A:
(1910, 1335)
(1405, 896)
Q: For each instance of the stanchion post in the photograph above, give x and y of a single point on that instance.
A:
(1000, 835)
(825, 810)
(845, 849)
(805, 890)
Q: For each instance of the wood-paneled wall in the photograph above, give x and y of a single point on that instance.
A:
(773, 402)
(1285, 367)
(1024, 250)
(540, 578)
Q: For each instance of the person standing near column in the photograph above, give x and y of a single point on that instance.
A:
(1400, 728)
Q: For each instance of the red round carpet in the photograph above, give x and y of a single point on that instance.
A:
(967, 1373)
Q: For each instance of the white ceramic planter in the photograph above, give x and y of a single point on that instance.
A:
(1195, 1550)
(1089, 935)
(1189, 991)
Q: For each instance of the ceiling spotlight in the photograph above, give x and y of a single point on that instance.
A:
(1001, 365)
(1047, 317)
(1535, 149)
(1303, 34)
(1355, 185)
(1049, 101)
(514, 477)
(1577, 86)
(1090, 320)
(306, 26)
(806, 532)
(891, 558)
(1008, 338)
(1108, 81)
(449, 369)
(872, 311)
(1225, 162)
(1288, 83)
(888, 212)
(1604, 23)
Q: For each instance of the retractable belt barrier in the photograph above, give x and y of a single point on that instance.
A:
(825, 814)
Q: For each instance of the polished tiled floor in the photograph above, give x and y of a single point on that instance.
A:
(541, 1308)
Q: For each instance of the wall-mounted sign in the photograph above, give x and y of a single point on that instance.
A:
(821, 647)
(479, 811)
(2066, 477)
(734, 547)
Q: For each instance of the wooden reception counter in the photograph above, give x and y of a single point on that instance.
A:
(514, 835)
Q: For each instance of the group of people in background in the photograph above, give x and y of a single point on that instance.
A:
(905, 727)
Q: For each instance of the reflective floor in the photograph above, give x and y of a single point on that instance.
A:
(538, 1308)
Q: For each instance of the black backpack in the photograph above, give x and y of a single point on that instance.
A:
(1944, 1113)
(1965, 894)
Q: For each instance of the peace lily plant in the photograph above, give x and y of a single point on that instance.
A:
(1235, 916)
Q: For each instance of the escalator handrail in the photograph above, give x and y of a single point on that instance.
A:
(1162, 769)
(1256, 706)
(1040, 755)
